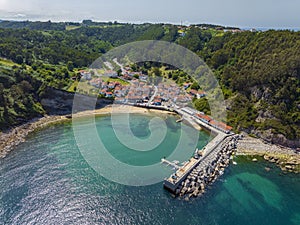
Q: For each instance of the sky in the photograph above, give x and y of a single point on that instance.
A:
(241, 13)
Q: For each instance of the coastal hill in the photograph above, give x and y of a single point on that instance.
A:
(259, 72)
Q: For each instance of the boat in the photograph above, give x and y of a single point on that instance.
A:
(179, 120)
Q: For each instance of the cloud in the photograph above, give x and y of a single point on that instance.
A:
(255, 13)
(19, 15)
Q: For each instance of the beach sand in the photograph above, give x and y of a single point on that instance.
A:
(17, 135)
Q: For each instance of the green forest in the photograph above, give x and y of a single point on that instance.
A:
(259, 72)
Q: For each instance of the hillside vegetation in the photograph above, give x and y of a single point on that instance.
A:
(260, 75)
(18, 97)
(259, 72)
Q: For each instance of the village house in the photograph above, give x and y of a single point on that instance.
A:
(186, 85)
(111, 73)
(103, 91)
(201, 94)
(119, 100)
(197, 94)
(85, 75)
(144, 78)
(133, 98)
(204, 118)
(96, 82)
(120, 91)
(183, 99)
(108, 94)
(111, 85)
(157, 101)
(127, 77)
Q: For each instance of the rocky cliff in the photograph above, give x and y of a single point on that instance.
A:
(59, 102)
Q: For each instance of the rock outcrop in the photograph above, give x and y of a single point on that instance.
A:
(59, 102)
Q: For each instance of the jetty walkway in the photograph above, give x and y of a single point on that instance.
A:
(206, 165)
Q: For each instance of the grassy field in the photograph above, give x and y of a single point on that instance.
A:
(122, 82)
(8, 63)
(73, 87)
(82, 87)
(106, 26)
(86, 88)
(72, 27)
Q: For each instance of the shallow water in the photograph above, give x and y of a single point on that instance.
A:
(47, 181)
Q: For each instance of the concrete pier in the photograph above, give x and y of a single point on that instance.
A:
(192, 178)
(172, 164)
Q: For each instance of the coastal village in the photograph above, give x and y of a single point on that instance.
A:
(134, 88)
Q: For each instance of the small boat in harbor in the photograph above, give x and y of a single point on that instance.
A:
(179, 120)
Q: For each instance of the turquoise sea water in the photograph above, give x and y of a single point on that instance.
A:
(47, 181)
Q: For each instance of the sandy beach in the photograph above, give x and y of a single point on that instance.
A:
(17, 135)
(286, 158)
(120, 109)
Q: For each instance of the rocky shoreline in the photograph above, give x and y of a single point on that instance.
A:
(16, 136)
(287, 159)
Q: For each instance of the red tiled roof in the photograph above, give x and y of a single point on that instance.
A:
(194, 92)
(213, 122)
(224, 126)
(205, 117)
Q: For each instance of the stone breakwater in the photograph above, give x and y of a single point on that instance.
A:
(205, 174)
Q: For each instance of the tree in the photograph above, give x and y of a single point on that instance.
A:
(70, 65)
(195, 86)
(202, 105)
(19, 59)
(25, 86)
(1, 94)
(156, 71)
(119, 72)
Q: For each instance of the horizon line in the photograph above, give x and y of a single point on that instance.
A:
(185, 23)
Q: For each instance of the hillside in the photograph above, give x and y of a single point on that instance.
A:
(18, 97)
(259, 72)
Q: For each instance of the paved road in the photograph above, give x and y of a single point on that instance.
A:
(155, 93)
(120, 65)
(210, 147)
(109, 65)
